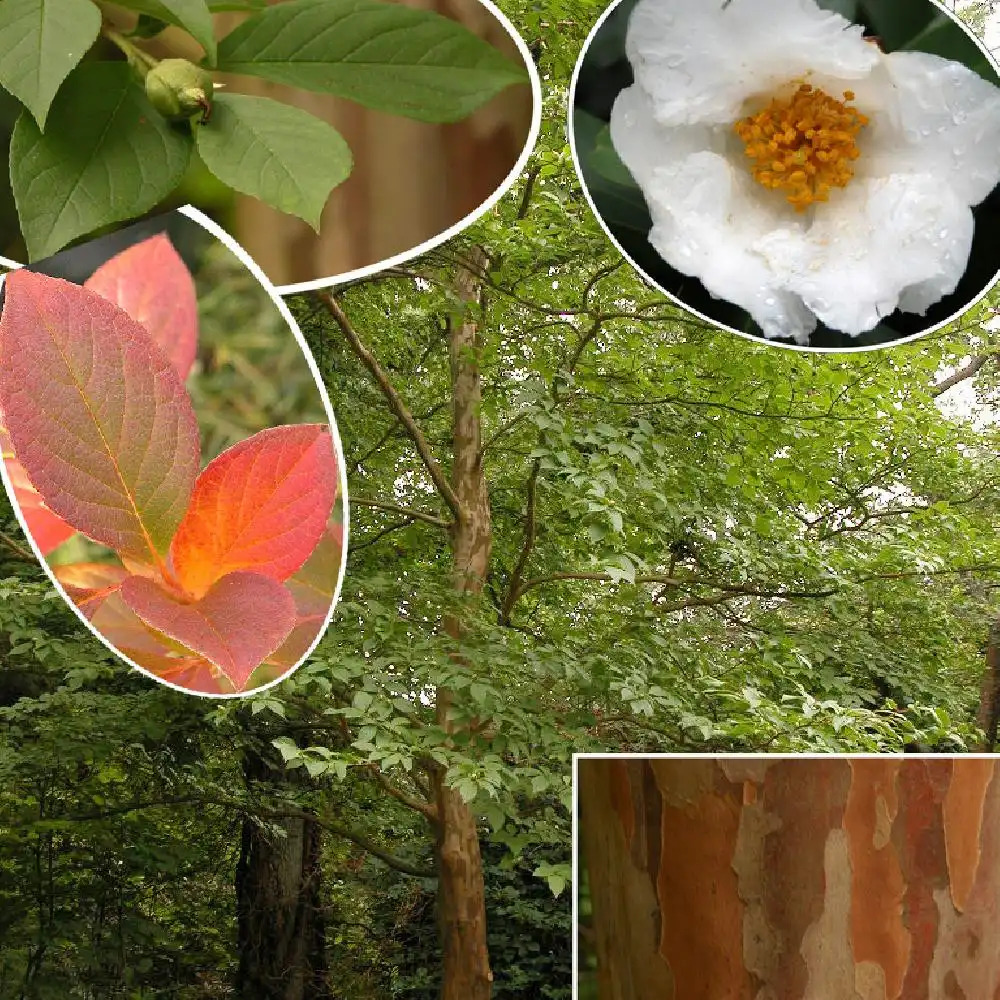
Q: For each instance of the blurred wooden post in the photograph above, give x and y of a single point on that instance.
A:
(411, 180)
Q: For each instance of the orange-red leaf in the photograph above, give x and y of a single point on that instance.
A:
(242, 619)
(261, 506)
(47, 529)
(313, 585)
(298, 642)
(126, 631)
(98, 416)
(90, 584)
(152, 284)
(192, 672)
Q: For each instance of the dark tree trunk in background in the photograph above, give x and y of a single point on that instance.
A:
(280, 923)
(988, 716)
(801, 879)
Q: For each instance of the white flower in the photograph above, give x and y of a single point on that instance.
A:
(796, 169)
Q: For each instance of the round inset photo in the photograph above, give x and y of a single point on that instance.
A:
(172, 454)
(327, 136)
(814, 173)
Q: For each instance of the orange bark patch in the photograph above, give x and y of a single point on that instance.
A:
(809, 797)
(919, 842)
(878, 934)
(621, 796)
(963, 820)
(702, 914)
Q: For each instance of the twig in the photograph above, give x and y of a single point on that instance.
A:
(417, 515)
(395, 402)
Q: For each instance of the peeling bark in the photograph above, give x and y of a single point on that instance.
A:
(461, 887)
(794, 879)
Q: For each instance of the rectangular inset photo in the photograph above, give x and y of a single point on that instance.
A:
(787, 878)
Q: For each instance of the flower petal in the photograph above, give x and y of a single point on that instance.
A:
(699, 60)
(708, 215)
(943, 119)
(896, 242)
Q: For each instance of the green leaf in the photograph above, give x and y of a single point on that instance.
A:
(288, 748)
(605, 160)
(274, 152)
(148, 27)
(40, 43)
(194, 16)
(383, 55)
(107, 156)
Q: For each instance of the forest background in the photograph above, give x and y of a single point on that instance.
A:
(580, 520)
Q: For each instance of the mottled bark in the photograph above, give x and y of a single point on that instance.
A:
(461, 889)
(280, 925)
(988, 715)
(801, 879)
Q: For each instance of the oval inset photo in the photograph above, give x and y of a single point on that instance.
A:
(812, 173)
(327, 136)
(172, 454)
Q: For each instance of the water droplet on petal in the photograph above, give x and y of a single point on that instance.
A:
(770, 301)
(942, 234)
(674, 61)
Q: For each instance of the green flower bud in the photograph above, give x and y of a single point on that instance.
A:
(178, 89)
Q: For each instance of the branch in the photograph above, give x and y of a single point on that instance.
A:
(395, 402)
(371, 539)
(962, 374)
(604, 272)
(504, 429)
(513, 589)
(285, 812)
(426, 809)
(529, 188)
(732, 591)
(16, 547)
(593, 331)
(416, 515)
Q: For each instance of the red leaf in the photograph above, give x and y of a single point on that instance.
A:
(242, 619)
(261, 506)
(90, 584)
(298, 642)
(97, 414)
(191, 672)
(47, 529)
(313, 585)
(152, 284)
(126, 631)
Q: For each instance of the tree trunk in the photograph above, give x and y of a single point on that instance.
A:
(988, 716)
(794, 879)
(461, 900)
(280, 925)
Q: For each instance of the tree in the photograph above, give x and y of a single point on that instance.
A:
(746, 878)
(694, 543)
(690, 542)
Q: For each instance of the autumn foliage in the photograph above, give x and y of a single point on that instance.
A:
(224, 576)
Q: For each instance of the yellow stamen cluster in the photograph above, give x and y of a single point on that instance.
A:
(803, 145)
